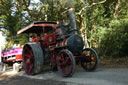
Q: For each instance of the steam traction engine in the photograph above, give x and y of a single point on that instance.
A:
(53, 44)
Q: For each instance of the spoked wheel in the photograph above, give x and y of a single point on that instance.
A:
(92, 61)
(33, 58)
(66, 63)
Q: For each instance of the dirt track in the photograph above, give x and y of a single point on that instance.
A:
(18, 80)
(102, 76)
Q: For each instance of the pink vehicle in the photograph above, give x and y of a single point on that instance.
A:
(12, 57)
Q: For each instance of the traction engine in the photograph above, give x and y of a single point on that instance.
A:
(58, 46)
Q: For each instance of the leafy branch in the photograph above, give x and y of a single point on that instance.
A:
(93, 4)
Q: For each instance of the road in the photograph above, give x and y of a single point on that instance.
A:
(102, 76)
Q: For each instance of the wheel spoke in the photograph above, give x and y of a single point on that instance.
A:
(30, 68)
(65, 66)
(28, 59)
(90, 65)
(67, 60)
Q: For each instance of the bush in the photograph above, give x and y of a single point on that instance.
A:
(115, 40)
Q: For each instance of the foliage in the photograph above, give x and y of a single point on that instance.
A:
(115, 39)
(102, 23)
(105, 26)
(12, 20)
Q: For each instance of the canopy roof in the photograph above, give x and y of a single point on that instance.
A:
(37, 27)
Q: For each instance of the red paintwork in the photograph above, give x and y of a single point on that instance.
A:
(28, 60)
(19, 57)
(49, 39)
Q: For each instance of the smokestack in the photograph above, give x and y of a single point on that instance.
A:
(71, 15)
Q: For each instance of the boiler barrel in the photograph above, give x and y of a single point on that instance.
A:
(75, 43)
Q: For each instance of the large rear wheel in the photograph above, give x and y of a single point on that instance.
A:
(66, 63)
(92, 62)
(33, 58)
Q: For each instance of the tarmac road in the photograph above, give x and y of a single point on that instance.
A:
(102, 76)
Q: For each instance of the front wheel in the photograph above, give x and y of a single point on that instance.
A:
(66, 63)
(92, 57)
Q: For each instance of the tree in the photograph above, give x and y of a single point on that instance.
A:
(101, 23)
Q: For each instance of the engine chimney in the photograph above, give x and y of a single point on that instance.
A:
(71, 15)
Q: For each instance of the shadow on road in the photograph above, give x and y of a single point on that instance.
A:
(102, 76)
